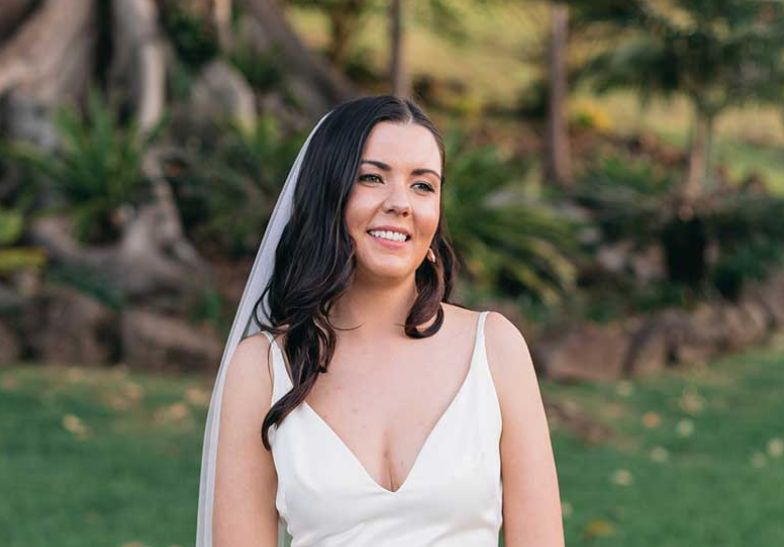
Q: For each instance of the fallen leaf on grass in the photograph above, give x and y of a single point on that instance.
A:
(75, 425)
(624, 388)
(651, 420)
(197, 396)
(659, 454)
(622, 477)
(132, 391)
(758, 460)
(597, 528)
(775, 447)
(10, 382)
(174, 413)
(691, 402)
(685, 427)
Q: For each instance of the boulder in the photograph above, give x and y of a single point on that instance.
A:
(693, 337)
(152, 341)
(63, 325)
(770, 297)
(221, 93)
(746, 324)
(586, 352)
(648, 349)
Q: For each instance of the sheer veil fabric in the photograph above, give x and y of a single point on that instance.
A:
(242, 327)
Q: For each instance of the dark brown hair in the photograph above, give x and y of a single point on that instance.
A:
(315, 262)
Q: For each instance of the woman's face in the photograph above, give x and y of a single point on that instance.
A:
(397, 189)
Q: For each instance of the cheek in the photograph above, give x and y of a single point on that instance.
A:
(356, 212)
(428, 220)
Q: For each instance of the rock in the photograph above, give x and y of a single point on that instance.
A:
(770, 296)
(746, 324)
(648, 350)
(10, 300)
(693, 338)
(587, 352)
(63, 325)
(568, 414)
(614, 257)
(10, 349)
(151, 341)
(648, 265)
(221, 93)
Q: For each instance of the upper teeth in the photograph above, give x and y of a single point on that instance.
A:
(386, 234)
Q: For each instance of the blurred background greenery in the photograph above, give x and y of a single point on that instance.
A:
(615, 187)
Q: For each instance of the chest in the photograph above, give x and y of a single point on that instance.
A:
(383, 408)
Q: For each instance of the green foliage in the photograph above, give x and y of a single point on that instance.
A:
(502, 238)
(631, 200)
(97, 168)
(262, 70)
(11, 225)
(226, 190)
(719, 53)
(626, 196)
(88, 281)
(750, 232)
(195, 39)
(15, 259)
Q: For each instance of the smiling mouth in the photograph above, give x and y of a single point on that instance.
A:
(408, 237)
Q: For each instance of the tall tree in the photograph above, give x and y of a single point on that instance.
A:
(717, 53)
(344, 18)
(317, 82)
(398, 76)
(558, 159)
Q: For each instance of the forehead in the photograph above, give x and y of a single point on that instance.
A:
(404, 145)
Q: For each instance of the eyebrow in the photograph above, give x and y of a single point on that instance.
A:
(384, 167)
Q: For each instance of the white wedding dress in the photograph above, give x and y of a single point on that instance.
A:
(450, 498)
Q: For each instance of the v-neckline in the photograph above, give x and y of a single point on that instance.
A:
(352, 455)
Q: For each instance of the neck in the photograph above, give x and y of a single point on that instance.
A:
(377, 309)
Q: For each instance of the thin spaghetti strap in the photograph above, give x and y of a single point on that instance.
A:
(480, 327)
(281, 383)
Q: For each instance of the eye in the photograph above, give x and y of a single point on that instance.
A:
(370, 178)
(428, 187)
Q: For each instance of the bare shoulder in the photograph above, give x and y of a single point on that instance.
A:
(249, 374)
(509, 358)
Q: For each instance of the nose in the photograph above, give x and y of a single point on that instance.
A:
(397, 199)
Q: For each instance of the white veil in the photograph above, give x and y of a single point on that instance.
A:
(242, 327)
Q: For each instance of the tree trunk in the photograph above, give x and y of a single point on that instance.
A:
(317, 83)
(45, 63)
(343, 20)
(398, 76)
(49, 58)
(139, 61)
(12, 12)
(699, 153)
(222, 14)
(558, 160)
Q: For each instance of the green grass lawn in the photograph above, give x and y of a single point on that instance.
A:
(108, 457)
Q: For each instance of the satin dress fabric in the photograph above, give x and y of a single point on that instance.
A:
(451, 497)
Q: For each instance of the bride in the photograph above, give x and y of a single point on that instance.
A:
(354, 405)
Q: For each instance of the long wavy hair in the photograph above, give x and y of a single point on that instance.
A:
(315, 258)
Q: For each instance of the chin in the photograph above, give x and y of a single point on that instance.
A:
(386, 271)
